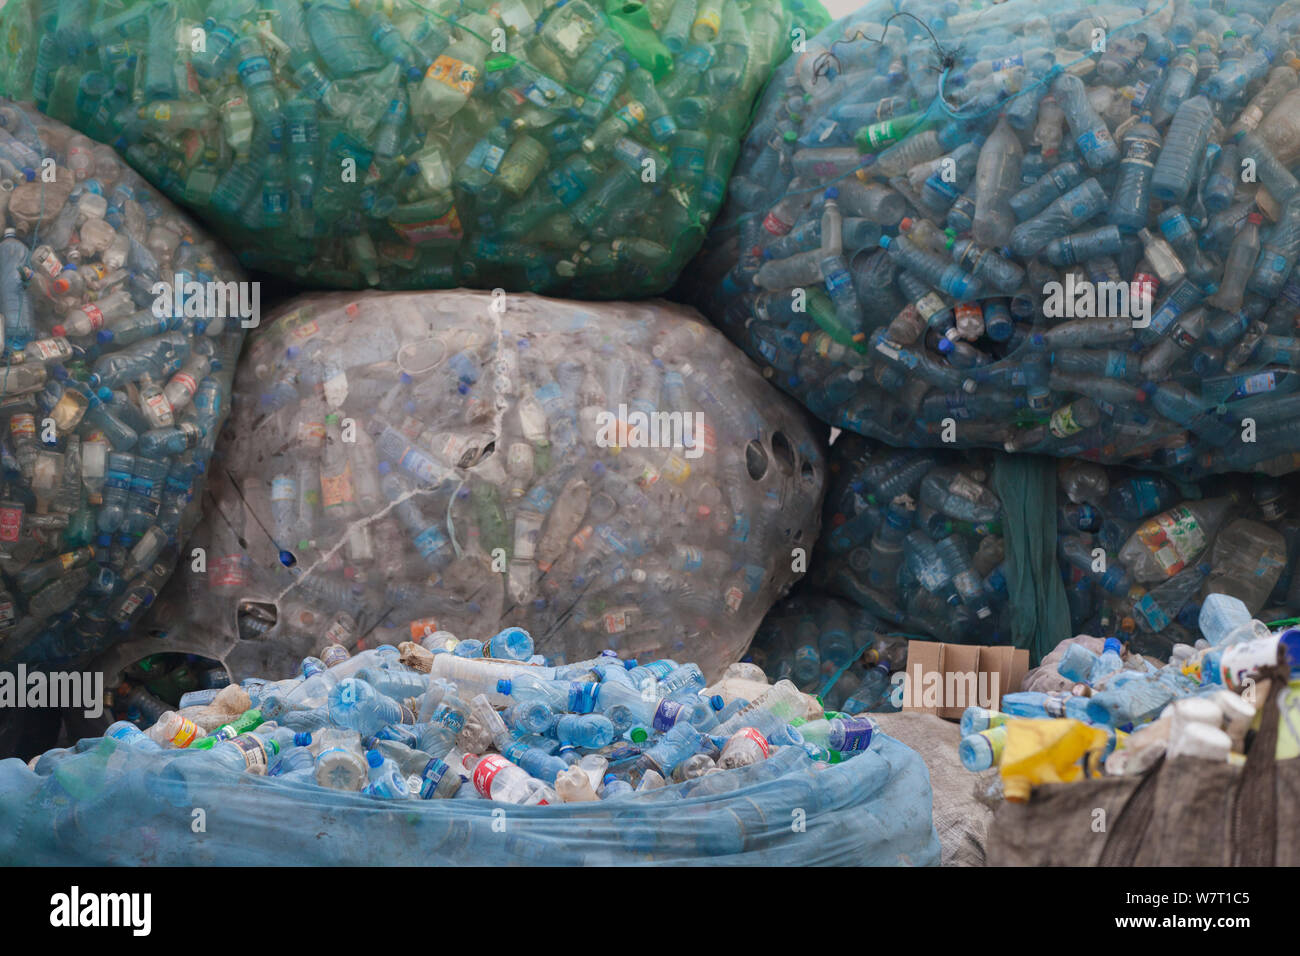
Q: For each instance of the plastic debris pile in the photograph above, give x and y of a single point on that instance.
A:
(573, 148)
(116, 381)
(632, 762)
(599, 475)
(1012, 235)
(1125, 712)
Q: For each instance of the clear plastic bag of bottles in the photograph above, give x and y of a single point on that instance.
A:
(918, 541)
(601, 475)
(574, 148)
(1068, 230)
(403, 766)
(116, 382)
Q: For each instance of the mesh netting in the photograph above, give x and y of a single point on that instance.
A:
(603, 476)
(116, 379)
(575, 148)
(1069, 231)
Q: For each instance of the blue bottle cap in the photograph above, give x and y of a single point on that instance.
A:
(1112, 644)
(287, 559)
(103, 541)
(504, 686)
(716, 702)
(832, 193)
(301, 739)
(884, 242)
(374, 758)
(385, 468)
(104, 336)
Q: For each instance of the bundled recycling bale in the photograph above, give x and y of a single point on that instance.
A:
(973, 547)
(1070, 231)
(121, 325)
(575, 148)
(603, 476)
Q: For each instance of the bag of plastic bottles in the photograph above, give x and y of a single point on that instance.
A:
(409, 757)
(121, 325)
(602, 475)
(574, 148)
(1068, 230)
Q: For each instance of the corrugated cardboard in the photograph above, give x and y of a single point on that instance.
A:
(967, 674)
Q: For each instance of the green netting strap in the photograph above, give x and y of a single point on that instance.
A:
(1040, 615)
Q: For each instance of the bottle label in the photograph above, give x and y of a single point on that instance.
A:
(284, 488)
(1063, 423)
(1153, 612)
(422, 628)
(1257, 384)
(856, 733)
(454, 73)
(157, 408)
(485, 772)
(775, 225)
(186, 734)
(255, 758)
(11, 523)
(8, 615)
(732, 598)
(752, 733)
(95, 316)
(1245, 661)
(1173, 538)
(337, 490)
(446, 226)
(666, 714)
(230, 572)
(709, 19)
(334, 654)
(615, 622)
(311, 434)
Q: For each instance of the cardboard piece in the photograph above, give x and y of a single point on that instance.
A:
(945, 679)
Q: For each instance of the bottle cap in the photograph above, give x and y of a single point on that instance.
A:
(832, 193)
(374, 758)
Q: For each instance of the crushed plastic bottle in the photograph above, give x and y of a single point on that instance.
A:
(1127, 219)
(119, 358)
(570, 148)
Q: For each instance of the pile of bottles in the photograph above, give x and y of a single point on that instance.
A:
(915, 538)
(155, 684)
(423, 721)
(1139, 555)
(1070, 231)
(1127, 712)
(603, 476)
(116, 380)
(833, 650)
(571, 147)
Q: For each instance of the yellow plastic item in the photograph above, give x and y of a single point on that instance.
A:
(1048, 751)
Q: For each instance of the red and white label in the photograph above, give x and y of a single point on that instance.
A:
(186, 382)
(485, 772)
(751, 733)
(96, 317)
(11, 524)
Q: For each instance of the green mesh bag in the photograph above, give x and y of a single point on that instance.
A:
(569, 147)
